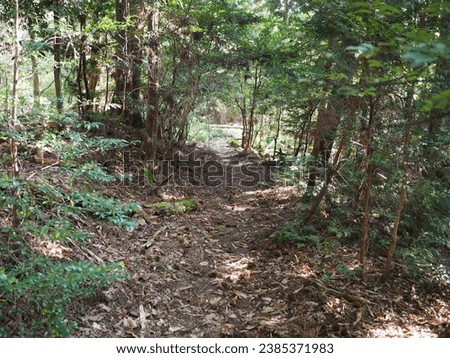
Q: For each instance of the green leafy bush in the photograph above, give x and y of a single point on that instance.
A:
(36, 293)
(203, 132)
(110, 209)
(35, 289)
(300, 234)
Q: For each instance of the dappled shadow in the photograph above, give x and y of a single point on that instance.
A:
(221, 272)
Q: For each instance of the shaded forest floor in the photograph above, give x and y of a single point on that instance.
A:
(219, 271)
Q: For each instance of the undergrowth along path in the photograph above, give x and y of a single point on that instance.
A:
(220, 271)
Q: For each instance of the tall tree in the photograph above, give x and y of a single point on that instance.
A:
(154, 66)
(130, 14)
(14, 123)
(57, 56)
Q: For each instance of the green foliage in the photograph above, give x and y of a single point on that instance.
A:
(204, 132)
(91, 172)
(233, 142)
(300, 234)
(173, 208)
(71, 144)
(424, 53)
(349, 274)
(340, 231)
(37, 291)
(438, 101)
(110, 209)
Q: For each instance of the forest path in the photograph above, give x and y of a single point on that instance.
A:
(219, 271)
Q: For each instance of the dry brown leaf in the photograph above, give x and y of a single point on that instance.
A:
(358, 317)
(241, 294)
(268, 309)
(129, 323)
(97, 327)
(175, 329)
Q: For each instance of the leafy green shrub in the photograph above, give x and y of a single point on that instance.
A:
(35, 289)
(348, 274)
(92, 171)
(300, 234)
(110, 209)
(203, 132)
(233, 142)
(69, 144)
(36, 293)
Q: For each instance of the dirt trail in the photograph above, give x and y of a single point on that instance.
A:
(220, 145)
(220, 272)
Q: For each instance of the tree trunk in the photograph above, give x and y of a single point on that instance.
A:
(402, 195)
(57, 60)
(286, 10)
(35, 73)
(93, 76)
(106, 105)
(367, 190)
(152, 121)
(80, 93)
(135, 51)
(335, 166)
(14, 124)
(127, 74)
(277, 134)
(366, 216)
(243, 109)
(307, 117)
(84, 92)
(249, 128)
(326, 125)
(121, 55)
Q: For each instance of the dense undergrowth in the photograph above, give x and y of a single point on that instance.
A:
(39, 277)
(423, 244)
